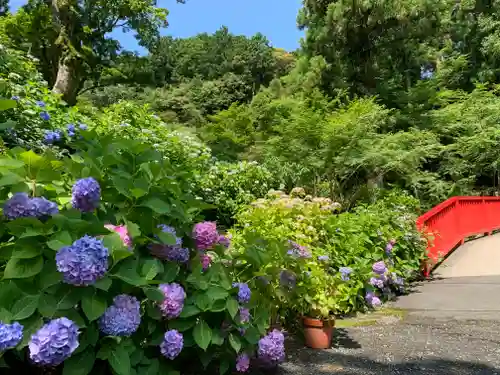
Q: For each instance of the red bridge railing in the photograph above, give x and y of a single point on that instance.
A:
(448, 224)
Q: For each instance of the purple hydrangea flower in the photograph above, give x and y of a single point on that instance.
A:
(86, 194)
(244, 292)
(10, 335)
(242, 363)
(287, 279)
(52, 136)
(54, 342)
(375, 281)
(205, 235)
(206, 260)
(172, 344)
(345, 273)
(84, 262)
(244, 315)
(372, 299)
(224, 240)
(15, 97)
(40, 103)
(122, 318)
(173, 304)
(83, 127)
(174, 253)
(323, 258)
(379, 267)
(298, 251)
(71, 130)
(272, 348)
(45, 116)
(388, 248)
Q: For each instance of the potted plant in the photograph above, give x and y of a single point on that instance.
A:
(318, 301)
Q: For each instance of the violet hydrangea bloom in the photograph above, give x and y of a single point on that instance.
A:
(174, 253)
(379, 267)
(205, 235)
(345, 273)
(206, 260)
(244, 292)
(372, 299)
(122, 318)
(10, 335)
(242, 363)
(122, 232)
(224, 240)
(272, 348)
(244, 315)
(298, 251)
(172, 305)
(86, 194)
(172, 344)
(84, 262)
(54, 342)
(375, 281)
(323, 258)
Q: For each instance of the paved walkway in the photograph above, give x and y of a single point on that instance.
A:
(452, 327)
(466, 285)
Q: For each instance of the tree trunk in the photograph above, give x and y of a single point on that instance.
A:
(67, 80)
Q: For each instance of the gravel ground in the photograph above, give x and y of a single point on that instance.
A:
(419, 346)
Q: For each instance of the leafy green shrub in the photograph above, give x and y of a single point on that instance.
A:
(138, 122)
(77, 266)
(231, 186)
(343, 272)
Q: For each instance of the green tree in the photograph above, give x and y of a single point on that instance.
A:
(70, 38)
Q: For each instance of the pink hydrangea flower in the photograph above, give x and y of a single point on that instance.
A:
(123, 233)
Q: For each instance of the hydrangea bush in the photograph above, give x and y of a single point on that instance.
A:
(312, 261)
(106, 267)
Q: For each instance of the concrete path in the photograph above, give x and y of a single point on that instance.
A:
(465, 286)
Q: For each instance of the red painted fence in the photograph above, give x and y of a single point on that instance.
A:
(450, 222)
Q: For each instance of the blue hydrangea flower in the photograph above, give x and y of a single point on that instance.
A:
(17, 206)
(44, 116)
(244, 292)
(43, 208)
(122, 318)
(40, 103)
(10, 335)
(54, 342)
(84, 262)
(52, 136)
(272, 348)
(172, 344)
(71, 130)
(21, 205)
(345, 273)
(16, 98)
(86, 194)
(82, 126)
(323, 258)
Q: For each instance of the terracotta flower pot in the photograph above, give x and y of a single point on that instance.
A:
(318, 333)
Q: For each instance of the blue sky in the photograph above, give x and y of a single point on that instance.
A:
(276, 19)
